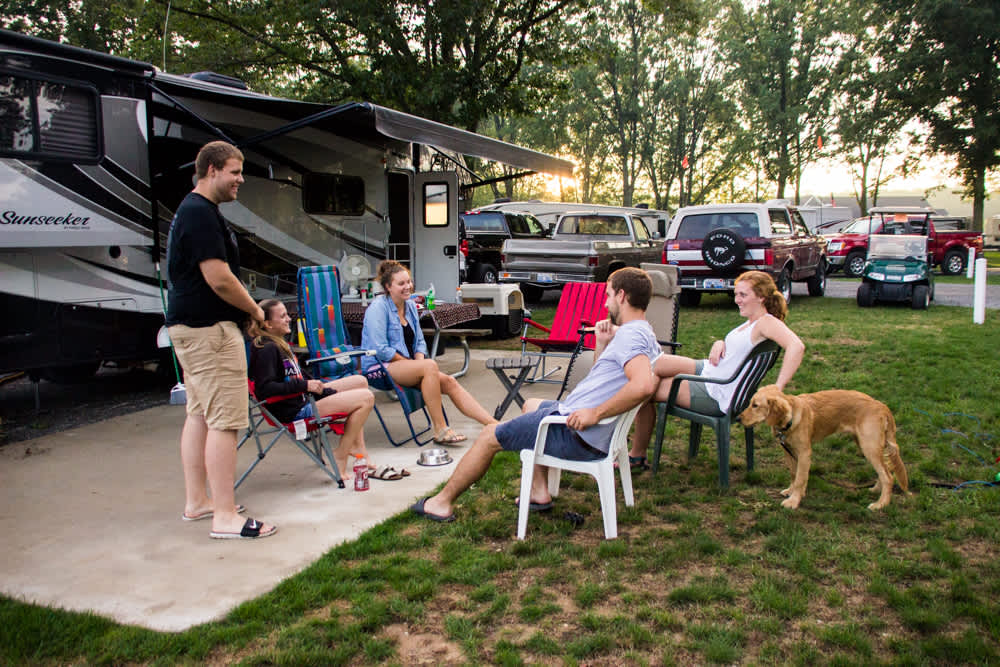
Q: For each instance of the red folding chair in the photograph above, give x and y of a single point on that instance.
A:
(308, 434)
(581, 306)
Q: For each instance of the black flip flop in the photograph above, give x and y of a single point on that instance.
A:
(536, 507)
(251, 530)
(418, 509)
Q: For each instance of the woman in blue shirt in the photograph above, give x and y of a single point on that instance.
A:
(392, 329)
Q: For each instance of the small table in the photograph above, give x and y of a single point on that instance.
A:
(501, 366)
(444, 316)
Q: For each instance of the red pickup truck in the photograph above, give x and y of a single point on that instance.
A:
(949, 249)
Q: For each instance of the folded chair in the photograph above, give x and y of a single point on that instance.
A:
(602, 470)
(662, 312)
(309, 434)
(750, 373)
(327, 339)
(581, 305)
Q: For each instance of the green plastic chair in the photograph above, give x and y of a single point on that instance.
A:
(750, 373)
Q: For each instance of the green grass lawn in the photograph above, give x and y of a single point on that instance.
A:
(698, 576)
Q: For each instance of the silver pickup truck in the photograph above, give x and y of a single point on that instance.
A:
(585, 247)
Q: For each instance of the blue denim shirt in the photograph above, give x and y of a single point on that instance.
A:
(383, 333)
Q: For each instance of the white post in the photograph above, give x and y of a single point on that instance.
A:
(979, 293)
(969, 264)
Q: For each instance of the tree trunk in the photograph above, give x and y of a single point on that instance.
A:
(978, 196)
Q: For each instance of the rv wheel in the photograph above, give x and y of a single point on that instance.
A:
(70, 374)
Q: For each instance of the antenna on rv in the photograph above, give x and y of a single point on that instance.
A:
(166, 20)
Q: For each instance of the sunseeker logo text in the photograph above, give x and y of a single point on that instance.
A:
(69, 220)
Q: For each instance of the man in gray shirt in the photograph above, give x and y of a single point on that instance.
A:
(620, 379)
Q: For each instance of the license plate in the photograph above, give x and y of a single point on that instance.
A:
(714, 283)
(543, 278)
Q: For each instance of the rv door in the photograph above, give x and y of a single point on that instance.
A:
(435, 233)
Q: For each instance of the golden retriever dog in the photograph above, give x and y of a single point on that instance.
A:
(799, 421)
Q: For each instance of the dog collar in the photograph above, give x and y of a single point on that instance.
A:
(787, 426)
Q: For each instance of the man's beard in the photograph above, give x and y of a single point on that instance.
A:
(613, 318)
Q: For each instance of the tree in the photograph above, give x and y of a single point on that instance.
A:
(454, 62)
(784, 53)
(945, 63)
(695, 139)
(869, 122)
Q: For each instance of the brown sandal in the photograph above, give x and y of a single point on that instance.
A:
(449, 437)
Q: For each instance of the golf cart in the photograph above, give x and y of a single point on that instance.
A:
(897, 269)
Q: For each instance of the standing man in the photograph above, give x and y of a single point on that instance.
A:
(620, 379)
(207, 304)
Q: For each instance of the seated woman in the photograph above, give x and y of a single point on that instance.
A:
(275, 372)
(764, 308)
(392, 329)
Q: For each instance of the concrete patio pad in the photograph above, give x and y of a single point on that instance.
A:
(91, 517)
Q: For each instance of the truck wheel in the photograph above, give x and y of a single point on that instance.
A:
(817, 284)
(613, 268)
(854, 265)
(954, 263)
(866, 295)
(532, 293)
(921, 297)
(784, 283)
(484, 273)
(690, 298)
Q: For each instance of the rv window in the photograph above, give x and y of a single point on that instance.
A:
(48, 120)
(435, 204)
(333, 194)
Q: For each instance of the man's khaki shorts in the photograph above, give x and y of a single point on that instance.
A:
(214, 360)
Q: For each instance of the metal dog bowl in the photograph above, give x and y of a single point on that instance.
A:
(435, 456)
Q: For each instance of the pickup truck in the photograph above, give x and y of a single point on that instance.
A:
(949, 250)
(585, 247)
(480, 239)
(712, 244)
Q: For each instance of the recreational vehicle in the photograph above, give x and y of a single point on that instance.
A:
(97, 151)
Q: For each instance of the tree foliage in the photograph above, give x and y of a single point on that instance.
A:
(944, 59)
(784, 54)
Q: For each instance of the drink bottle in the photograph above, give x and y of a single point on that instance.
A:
(360, 473)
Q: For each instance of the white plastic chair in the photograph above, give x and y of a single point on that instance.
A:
(603, 470)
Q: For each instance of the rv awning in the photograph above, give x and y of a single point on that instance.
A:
(368, 122)
(405, 127)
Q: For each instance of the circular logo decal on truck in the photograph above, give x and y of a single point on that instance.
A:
(723, 250)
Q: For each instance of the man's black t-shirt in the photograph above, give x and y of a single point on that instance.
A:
(199, 232)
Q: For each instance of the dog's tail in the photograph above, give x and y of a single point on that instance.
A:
(895, 462)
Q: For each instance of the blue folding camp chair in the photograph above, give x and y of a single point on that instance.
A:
(326, 336)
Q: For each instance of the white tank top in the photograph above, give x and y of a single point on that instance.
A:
(739, 342)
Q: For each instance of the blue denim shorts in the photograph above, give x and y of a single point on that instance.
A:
(305, 413)
(519, 433)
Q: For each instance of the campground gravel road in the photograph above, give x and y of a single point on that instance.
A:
(944, 294)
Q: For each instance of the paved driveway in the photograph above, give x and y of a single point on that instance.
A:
(944, 294)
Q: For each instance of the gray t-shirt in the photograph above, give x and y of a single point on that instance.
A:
(607, 377)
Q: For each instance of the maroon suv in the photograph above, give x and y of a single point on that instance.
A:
(711, 245)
